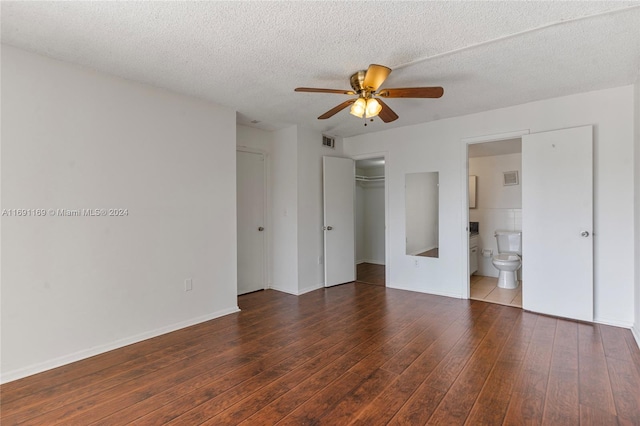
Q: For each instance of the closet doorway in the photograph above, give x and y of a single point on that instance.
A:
(370, 221)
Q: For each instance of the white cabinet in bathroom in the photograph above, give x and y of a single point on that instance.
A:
(473, 254)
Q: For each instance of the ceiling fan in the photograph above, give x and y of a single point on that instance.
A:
(368, 104)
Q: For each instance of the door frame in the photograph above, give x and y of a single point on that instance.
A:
(385, 155)
(466, 279)
(266, 273)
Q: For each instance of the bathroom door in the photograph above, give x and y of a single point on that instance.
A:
(338, 179)
(557, 223)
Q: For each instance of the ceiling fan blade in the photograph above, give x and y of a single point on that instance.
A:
(386, 114)
(336, 109)
(315, 90)
(412, 92)
(375, 76)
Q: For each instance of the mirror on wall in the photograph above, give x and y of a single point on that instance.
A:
(421, 210)
(472, 191)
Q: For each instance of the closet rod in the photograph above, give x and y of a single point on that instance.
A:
(369, 178)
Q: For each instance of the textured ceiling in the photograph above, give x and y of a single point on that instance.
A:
(250, 56)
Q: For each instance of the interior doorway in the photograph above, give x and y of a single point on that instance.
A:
(495, 207)
(555, 220)
(370, 220)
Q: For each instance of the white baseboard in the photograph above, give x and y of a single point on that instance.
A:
(635, 330)
(283, 290)
(308, 289)
(12, 375)
(299, 292)
(422, 250)
(374, 262)
(437, 293)
(492, 274)
(612, 322)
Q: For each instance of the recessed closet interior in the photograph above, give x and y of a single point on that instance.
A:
(370, 220)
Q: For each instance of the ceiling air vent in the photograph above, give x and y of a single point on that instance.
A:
(327, 141)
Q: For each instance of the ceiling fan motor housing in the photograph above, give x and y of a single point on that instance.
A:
(357, 81)
(369, 103)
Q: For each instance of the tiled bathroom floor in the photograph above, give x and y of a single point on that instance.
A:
(487, 290)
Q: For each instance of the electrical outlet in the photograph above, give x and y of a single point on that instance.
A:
(188, 284)
(415, 262)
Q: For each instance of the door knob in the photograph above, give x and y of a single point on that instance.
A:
(584, 234)
(260, 229)
(328, 228)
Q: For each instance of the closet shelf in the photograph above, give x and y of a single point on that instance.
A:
(369, 178)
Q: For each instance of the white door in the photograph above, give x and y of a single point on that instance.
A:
(339, 220)
(251, 234)
(557, 223)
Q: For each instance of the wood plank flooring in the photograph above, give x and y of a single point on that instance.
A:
(370, 273)
(351, 354)
(430, 253)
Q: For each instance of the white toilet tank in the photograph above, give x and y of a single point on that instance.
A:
(509, 242)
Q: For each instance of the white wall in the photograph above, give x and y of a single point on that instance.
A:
(374, 223)
(360, 228)
(438, 146)
(284, 210)
(636, 328)
(490, 191)
(73, 138)
(421, 201)
(498, 207)
(256, 139)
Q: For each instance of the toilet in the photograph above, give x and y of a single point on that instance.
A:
(508, 260)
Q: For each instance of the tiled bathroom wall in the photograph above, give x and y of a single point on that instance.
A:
(499, 207)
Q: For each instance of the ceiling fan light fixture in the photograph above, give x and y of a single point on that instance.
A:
(359, 107)
(373, 108)
(366, 85)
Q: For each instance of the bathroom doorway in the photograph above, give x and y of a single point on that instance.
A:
(370, 221)
(495, 211)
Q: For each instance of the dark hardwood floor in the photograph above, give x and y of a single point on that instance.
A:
(430, 253)
(370, 273)
(351, 354)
